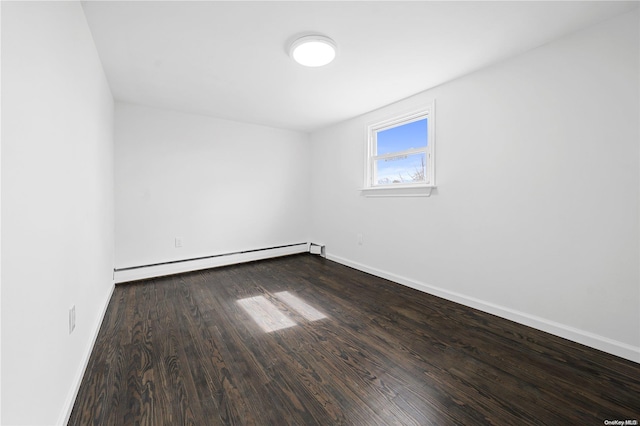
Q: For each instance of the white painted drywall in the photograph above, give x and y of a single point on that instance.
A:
(536, 210)
(220, 185)
(0, 214)
(57, 206)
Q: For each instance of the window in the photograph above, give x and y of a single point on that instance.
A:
(400, 155)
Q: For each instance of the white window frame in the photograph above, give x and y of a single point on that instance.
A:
(371, 189)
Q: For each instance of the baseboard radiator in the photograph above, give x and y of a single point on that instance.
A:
(134, 273)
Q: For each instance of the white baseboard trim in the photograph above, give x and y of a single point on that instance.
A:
(143, 272)
(586, 338)
(73, 393)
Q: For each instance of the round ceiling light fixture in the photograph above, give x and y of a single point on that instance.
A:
(313, 50)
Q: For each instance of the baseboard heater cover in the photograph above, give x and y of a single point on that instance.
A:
(317, 249)
(141, 272)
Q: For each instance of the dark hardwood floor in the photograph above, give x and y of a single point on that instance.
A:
(185, 350)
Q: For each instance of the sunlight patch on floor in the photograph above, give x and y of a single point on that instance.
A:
(304, 309)
(265, 314)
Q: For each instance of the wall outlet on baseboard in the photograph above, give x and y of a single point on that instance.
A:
(72, 319)
(178, 242)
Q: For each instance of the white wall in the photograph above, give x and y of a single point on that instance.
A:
(536, 213)
(57, 206)
(0, 215)
(220, 185)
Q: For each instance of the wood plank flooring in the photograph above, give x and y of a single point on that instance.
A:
(182, 350)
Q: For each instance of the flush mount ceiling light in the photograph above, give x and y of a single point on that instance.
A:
(313, 50)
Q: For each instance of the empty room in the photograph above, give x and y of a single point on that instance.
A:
(320, 213)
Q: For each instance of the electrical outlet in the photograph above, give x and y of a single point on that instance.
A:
(359, 239)
(178, 242)
(72, 319)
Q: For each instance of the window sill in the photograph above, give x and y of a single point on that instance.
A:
(398, 191)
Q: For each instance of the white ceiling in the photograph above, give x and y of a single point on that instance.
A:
(230, 59)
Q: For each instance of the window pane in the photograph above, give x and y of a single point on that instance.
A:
(401, 169)
(403, 137)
